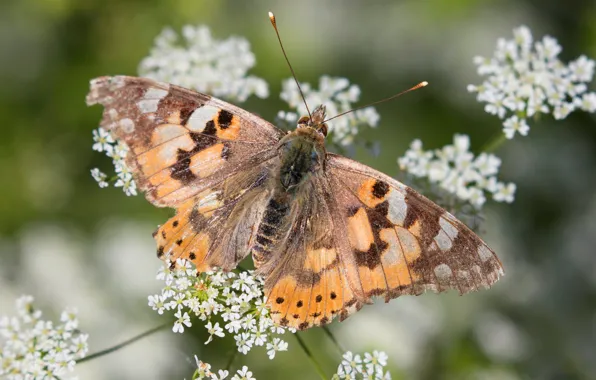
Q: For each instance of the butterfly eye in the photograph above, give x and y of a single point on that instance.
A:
(323, 129)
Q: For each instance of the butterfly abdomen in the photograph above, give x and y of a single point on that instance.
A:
(272, 228)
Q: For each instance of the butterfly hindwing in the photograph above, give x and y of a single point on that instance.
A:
(306, 281)
(180, 142)
(217, 227)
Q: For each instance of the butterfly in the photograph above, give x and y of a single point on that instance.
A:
(327, 233)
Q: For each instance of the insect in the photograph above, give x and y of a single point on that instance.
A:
(326, 232)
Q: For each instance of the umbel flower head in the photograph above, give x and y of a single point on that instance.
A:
(226, 303)
(32, 348)
(202, 63)
(457, 171)
(525, 78)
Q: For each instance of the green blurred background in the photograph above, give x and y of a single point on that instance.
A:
(67, 242)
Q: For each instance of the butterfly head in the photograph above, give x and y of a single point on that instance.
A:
(316, 121)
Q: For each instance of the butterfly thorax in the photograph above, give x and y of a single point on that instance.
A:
(302, 152)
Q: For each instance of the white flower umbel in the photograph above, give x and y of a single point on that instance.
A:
(352, 367)
(338, 95)
(457, 171)
(224, 303)
(202, 63)
(117, 151)
(31, 348)
(525, 78)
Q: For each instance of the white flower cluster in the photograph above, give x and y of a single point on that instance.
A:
(337, 95)
(117, 150)
(31, 348)
(372, 367)
(456, 170)
(204, 64)
(235, 299)
(526, 78)
(204, 372)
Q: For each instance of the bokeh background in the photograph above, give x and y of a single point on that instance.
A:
(67, 242)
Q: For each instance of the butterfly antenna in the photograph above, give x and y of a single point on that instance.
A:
(272, 18)
(419, 85)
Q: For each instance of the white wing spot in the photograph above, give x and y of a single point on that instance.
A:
(446, 235)
(443, 272)
(151, 99)
(449, 228)
(200, 117)
(484, 253)
(113, 114)
(443, 241)
(397, 208)
(127, 125)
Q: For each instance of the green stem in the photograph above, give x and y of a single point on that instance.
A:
(495, 143)
(311, 357)
(123, 344)
(330, 335)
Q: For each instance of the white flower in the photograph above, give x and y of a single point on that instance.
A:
(376, 361)
(127, 183)
(337, 95)
(200, 62)
(587, 102)
(103, 140)
(526, 78)
(214, 330)
(183, 319)
(352, 361)
(243, 374)
(504, 193)
(515, 124)
(277, 345)
(99, 177)
(244, 342)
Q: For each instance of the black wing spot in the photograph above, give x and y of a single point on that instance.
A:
(319, 298)
(224, 119)
(179, 242)
(380, 189)
(333, 295)
(160, 251)
(192, 256)
(299, 303)
(175, 223)
(279, 300)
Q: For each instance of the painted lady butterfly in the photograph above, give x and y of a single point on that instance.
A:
(326, 232)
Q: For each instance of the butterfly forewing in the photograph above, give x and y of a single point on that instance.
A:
(402, 242)
(180, 142)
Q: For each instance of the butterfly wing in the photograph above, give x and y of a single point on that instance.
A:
(218, 226)
(306, 283)
(372, 236)
(401, 241)
(181, 142)
(207, 158)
